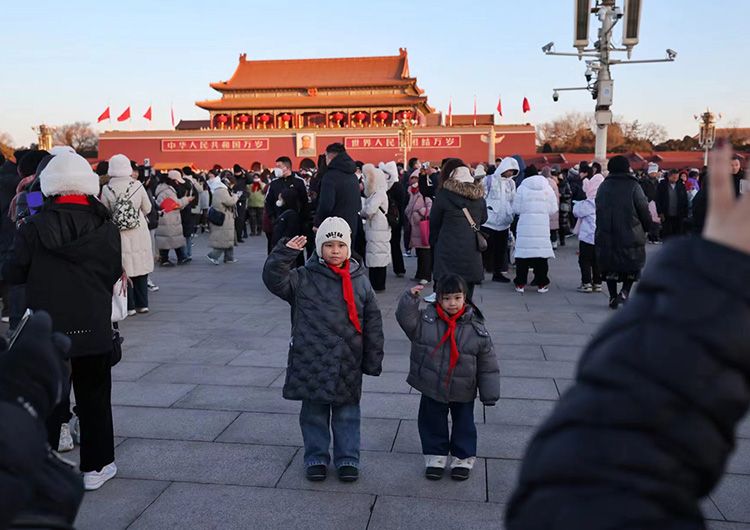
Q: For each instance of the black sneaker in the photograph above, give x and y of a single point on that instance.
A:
(434, 473)
(500, 278)
(316, 473)
(166, 263)
(348, 473)
(184, 261)
(460, 473)
(614, 302)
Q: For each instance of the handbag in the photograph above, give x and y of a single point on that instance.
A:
(481, 240)
(424, 231)
(117, 341)
(215, 217)
(120, 300)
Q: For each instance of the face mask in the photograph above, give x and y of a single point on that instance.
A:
(256, 179)
(279, 203)
(415, 185)
(278, 171)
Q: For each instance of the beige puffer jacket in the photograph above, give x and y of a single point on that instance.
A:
(169, 232)
(223, 236)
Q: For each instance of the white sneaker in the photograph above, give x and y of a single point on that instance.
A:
(431, 299)
(152, 287)
(423, 282)
(66, 440)
(435, 461)
(142, 310)
(93, 480)
(5, 319)
(544, 289)
(520, 288)
(213, 260)
(75, 429)
(131, 312)
(467, 463)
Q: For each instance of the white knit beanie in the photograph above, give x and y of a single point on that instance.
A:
(69, 174)
(333, 229)
(119, 166)
(175, 175)
(462, 174)
(652, 168)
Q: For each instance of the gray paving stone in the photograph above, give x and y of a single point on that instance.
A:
(389, 382)
(117, 504)
(502, 476)
(173, 424)
(710, 511)
(493, 440)
(399, 513)
(246, 399)
(283, 429)
(215, 463)
(213, 375)
(598, 317)
(269, 358)
(719, 525)
(388, 473)
(131, 370)
(526, 368)
(519, 351)
(563, 384)
(562, 353)
(398, 406)
(528, 388)
(739, 462)
(731, 497)
(232, 507)
(556, 339)
(580, 328)
(519, 411)
(147, 394)
(396, 363)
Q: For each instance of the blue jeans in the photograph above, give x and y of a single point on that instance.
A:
(433, 428)
(314, 419)
(189, 246)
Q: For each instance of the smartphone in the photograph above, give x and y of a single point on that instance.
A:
(744, 186)
(425, 165)
(20, 327)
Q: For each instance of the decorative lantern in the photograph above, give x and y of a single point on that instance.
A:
(286, 118)
(406, 115)
(338, 116)
(382, 116)
(243, 119)
(360, 116)
(264, 118)
(222, 119)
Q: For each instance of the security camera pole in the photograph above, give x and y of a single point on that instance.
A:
(597, 68)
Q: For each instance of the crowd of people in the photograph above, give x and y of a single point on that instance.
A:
(332, 230)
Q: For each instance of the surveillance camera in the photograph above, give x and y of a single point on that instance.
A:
(555, 95)
(548, 47)
(589, 73)
(671, 54)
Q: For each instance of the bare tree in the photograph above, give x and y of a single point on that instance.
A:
(570, 133)
(79, 135)
(6, 144)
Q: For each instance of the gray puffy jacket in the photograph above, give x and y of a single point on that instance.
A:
(327, 356)
(476, 367)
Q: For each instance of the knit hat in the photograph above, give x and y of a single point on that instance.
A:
(462, 174)
(175, 175)
(59, 149)
(618, 164)
(652, 168)
(333, 229)
(480, 172)
(30, 161)
(69, 174)
(119, 166)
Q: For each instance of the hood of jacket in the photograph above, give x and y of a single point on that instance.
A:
(343, 162)
(469, 190)
(375, 179)
(505, 164)
(535, 182)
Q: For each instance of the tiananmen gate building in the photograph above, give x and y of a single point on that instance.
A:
(296, 108)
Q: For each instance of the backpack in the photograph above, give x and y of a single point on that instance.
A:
(124, 214)
(393, 215)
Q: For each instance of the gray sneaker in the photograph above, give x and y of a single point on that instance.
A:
(65, 443)
(213, 260)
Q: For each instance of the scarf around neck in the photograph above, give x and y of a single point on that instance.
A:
(450, 333)
(346, 285)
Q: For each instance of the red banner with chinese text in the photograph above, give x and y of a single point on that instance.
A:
(194, 144)
(386, 142)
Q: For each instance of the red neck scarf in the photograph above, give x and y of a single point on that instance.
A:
(348, 288)
(450, 333)
(413, 190)
(256, 186)
(73, 199)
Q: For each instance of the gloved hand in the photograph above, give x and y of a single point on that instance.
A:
(32, 373)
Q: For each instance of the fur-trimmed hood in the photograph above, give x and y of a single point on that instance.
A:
(470, 190)
(375, 179)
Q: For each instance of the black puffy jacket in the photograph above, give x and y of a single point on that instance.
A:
(68, 255)
(327, 356)
(622, 221)
(452, 239)
(339, 193)
(647, 429)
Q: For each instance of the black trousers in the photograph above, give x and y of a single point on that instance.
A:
(587, 262)
(672, 226)
(138, 293)
(424, 264)
(377, 278)
(433, 428)
(495, 258)
(397, 258)
(541, 271)
(180, 252)
(255, 215)
(92, 385)
(240, 224)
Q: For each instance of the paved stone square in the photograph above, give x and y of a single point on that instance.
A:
(205, 440)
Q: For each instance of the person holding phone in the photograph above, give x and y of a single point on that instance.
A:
(69, 257)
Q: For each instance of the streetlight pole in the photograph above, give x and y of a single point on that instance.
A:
(405, 135)
(598, 67)
(707, 133)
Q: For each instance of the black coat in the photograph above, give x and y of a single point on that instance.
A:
(646, 431)
(622, 222)
(187, 217)
(9, 180)
(68, 255)
(327, 356)
(339, 193)
(452, 239)
(288, 225)
(649, 188)
(397, 199)
(280, 184)
(662, 199)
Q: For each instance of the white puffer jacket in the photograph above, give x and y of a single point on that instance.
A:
(534, 203)
(499, 196)
(377, 231)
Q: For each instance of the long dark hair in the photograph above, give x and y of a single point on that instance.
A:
(451, 284)
(448, 166)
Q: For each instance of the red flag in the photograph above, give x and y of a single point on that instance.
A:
(526, 106)
(475, 111)
(172, 112)
(450, 113)
(148, 113)
(103, 116)
(125, 115)
(500, 106)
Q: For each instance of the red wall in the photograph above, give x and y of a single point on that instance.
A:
(148, 144)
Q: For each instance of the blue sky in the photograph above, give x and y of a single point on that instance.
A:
(66, 62)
